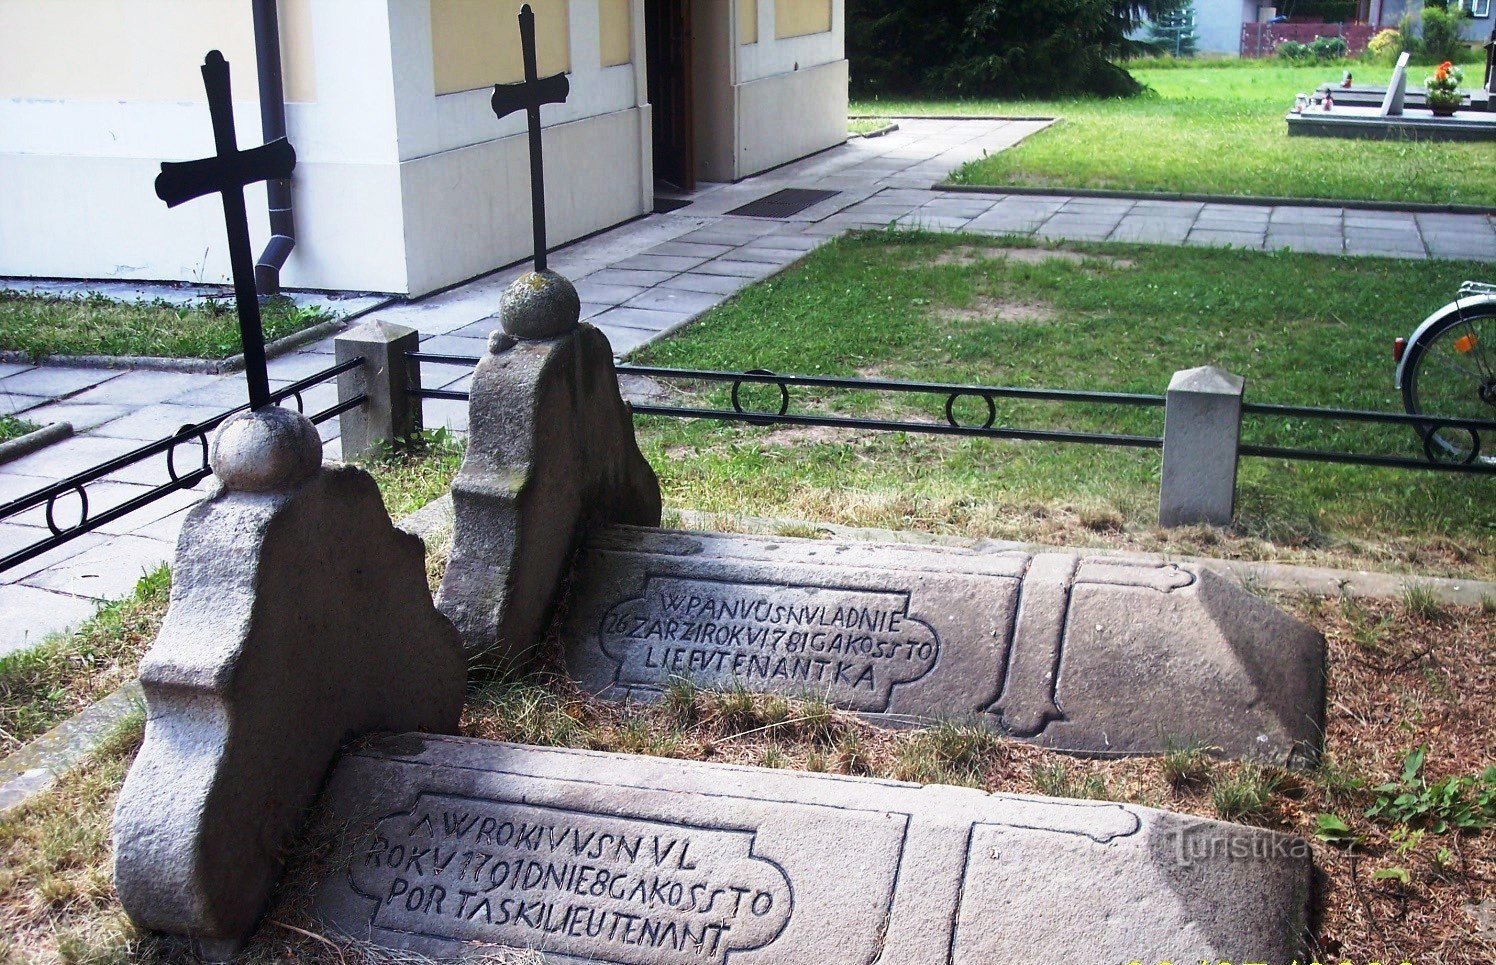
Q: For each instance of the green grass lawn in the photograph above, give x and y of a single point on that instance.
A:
(41, 325)
(942, 308)
(13, 428)
(1219, 130)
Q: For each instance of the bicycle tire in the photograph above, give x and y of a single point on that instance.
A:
(1455, 445)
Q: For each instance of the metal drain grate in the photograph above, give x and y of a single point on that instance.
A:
(783, 204)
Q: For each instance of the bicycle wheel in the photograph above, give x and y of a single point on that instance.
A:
(1452, 372)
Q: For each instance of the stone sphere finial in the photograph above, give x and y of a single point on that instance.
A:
(540, 305)
(265, 451)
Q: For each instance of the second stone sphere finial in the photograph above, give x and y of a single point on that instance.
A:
(540, 305)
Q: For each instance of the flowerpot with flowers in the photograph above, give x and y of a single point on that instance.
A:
(1442, 89)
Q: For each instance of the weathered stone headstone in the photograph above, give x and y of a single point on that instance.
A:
(551, 452)
(1397, 88)
(300, 618)
(446, 847)
(1099, 655)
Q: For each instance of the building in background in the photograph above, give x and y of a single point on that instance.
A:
(406, 183)
(1477, 26)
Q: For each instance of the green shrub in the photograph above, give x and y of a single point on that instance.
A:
(1385, 46)
(1293, 51)
(1407, 33)
(1329, 48)
(1441, 33)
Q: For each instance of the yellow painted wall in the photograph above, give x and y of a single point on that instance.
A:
(747, 21)
(475, 43)
(796, 18)
(142, 50)
(616, 31)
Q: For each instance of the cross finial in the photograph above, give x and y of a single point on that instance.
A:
(226, 174)
(527, 96)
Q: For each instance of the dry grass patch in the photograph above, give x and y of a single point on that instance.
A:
(967, 255)
(987, 308)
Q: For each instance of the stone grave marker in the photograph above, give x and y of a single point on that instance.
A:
(1097, 655)
(1397, 88)
(551, 448)
(299, 619)
(448, 847)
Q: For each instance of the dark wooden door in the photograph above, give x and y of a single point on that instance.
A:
(668, 48)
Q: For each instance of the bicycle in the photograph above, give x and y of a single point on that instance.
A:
(1447, 367)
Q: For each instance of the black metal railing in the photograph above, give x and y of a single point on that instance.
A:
(986, 424)
(194, 436)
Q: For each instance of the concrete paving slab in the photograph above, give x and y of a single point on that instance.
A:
(650, 320)
(143, 388)
(7, 369)
(686, 249)
(742, 269)
(83, 417)
(716, 284)
(659, 263)
(634, 278)
(153, 422)
(624, 340)
(107, 571)
(55, 381)
(13, 403)
(69, 457)
(676, 300)
(28, 616)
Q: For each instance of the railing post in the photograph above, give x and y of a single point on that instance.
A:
(391, 415)
(1202, 438)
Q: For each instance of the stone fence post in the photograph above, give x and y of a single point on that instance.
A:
(1202, 439)
(391, 415)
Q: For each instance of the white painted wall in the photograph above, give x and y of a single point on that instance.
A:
(465, 181)
(789, 96)
(77, 195)
(1219, 22)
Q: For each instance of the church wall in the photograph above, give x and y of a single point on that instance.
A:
(791, 90)
(95, 95)
(465, 175)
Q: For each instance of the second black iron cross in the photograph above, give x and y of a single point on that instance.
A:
(227, 174)
(528, 96)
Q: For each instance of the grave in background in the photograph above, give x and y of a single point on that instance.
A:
(1395, 113)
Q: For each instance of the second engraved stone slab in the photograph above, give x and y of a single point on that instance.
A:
(1096, 655)
(448, 847)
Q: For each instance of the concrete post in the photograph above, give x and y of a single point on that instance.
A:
(1202, 435)
(391, 415)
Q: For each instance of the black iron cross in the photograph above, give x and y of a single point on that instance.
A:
(528, 96)
(227, 174)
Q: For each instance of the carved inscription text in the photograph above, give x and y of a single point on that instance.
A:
(851, 646)
(572, 882)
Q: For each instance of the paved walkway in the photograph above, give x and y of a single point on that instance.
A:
(637, 282)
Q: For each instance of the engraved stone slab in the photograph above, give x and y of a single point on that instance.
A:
(448, 846)
(1103, 655)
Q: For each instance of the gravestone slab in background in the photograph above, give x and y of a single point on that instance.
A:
(300, 618)
(445, 845)
(1397, 88)
(1103, 655)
